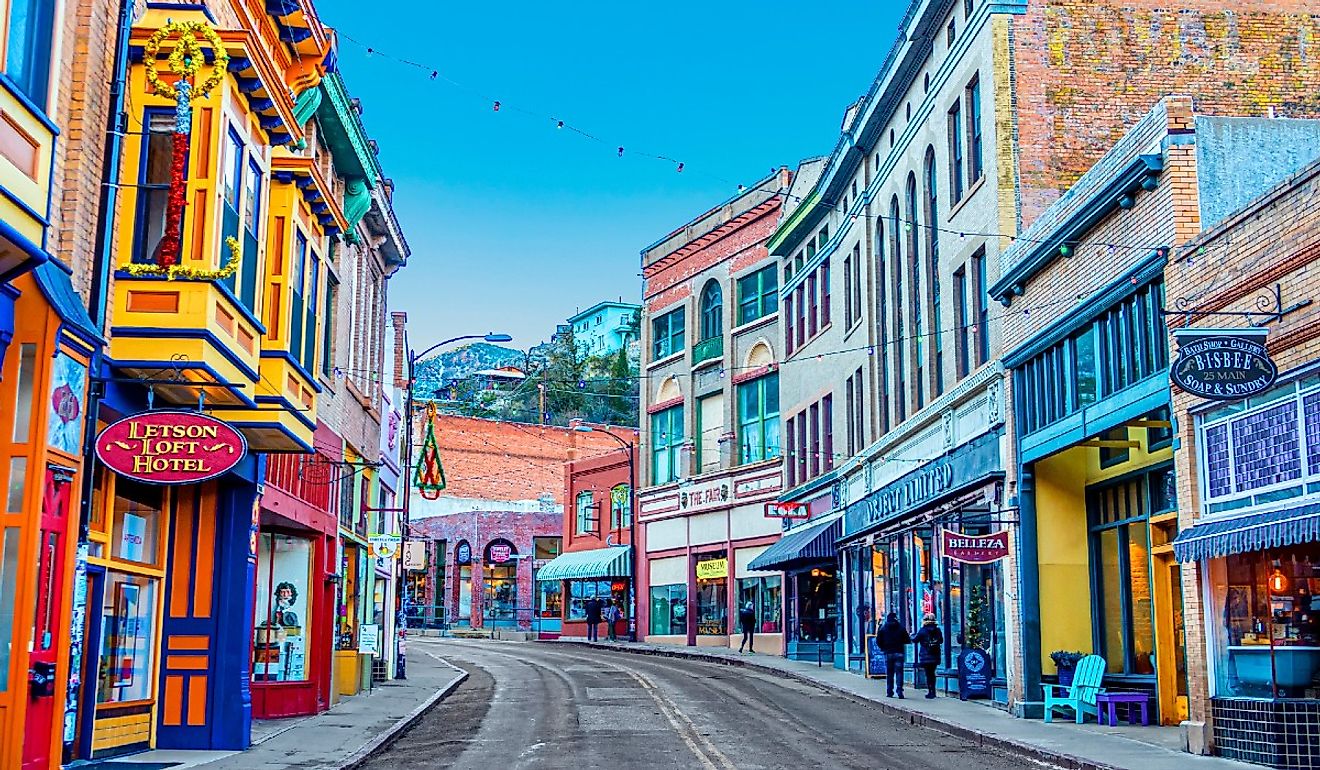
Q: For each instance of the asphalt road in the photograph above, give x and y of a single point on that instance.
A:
(529, 705)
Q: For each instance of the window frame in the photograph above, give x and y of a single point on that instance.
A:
(975, 137)
(762, 388)
(758, 292)
(672, 340)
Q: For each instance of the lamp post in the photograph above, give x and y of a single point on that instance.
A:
(413, 358)
(629, 448)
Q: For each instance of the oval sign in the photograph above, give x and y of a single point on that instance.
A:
(975, 549)
(170, 447)
(1223, 367)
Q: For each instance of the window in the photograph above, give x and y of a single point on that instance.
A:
(801, 300)
(855, 412)
(788, 325)
(758, 419)
(853, 273)
(666, 442)
(309, 331)
(900, 339)
(620, 507)
(847, 292)
(9, 562)
(712, 311)
(803, 448)
(252, 185)
(137, 522)
(955, 152)
(579, 591)
(154, 184)
(792, 464)
(813, 305)
(980, 314)
(584, 507)
(823, 236)
(849, 406)
(763, 593)
(710, 430)
(960, 321)
(882, 322)
(29, 45)
(127, 638)
(968, 7)
(933, 271)
(669, 610)
(824, 293)
(283, 619)
(813, 424)
(667, 334)
(1115, 455)
(297, 277)
(827, 430)
(756, 295)
(914, 292)
(1120, 576)
(976, 169)
(328, 326)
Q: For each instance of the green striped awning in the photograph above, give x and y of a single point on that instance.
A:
(612, 561)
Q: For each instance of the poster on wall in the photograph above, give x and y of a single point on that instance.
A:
(1223, 364)
(68, 388)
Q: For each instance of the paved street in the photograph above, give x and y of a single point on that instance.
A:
(537, 706)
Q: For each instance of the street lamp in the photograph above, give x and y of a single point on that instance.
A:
(413, 358)
(628, 448)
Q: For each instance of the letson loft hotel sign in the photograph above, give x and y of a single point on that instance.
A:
(170, 447)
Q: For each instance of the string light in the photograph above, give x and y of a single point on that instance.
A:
(497, 105)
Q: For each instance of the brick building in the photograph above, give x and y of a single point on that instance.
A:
(1091, 471)
(710, 432)
(1246, 469)
(501, 510)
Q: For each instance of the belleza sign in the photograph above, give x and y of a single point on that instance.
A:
(170, 447)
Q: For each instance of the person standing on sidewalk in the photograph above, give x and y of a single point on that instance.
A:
(612, 615)
(593, 609)
(747, 622)
(928, 642)
(893, 639)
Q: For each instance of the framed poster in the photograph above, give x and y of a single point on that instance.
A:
(124, 649)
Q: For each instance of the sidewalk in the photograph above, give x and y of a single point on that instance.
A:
(1079, 747)
(337, 739)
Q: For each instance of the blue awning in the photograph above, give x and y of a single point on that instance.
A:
(611, 561)
(1253, 532)
(811, 543)
(59, 292)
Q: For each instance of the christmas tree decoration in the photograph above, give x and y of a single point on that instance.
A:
(430, 477)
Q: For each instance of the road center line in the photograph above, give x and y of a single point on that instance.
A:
(688, 731)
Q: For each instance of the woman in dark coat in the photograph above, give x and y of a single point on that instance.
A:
(928, 642)
(893, 639)
(747, 623)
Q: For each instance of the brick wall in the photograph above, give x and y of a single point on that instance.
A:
(599, 475)
(1088, 69)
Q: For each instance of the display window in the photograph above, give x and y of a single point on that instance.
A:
(283, 609)
(765, 594)
(817, 604)
(137, 522)
(579, 591)
(549, 599)
(346, 612)
(859, 600)
(127, 639)
(501, 591)
(1266, 621)
(713, 596)
(669, 610)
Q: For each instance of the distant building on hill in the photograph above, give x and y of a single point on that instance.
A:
(604, 328)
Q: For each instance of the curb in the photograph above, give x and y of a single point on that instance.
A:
(392, 734)
(1017, 748)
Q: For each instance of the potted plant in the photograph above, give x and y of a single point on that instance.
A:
(1066, 663)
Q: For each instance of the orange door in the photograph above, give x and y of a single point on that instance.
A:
(43, 687)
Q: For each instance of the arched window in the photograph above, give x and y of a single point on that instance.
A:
(933, 271)
(914, 289)
(896, 273)
(585, 508)
(712, 311)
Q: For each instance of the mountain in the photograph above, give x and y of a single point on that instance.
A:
(461, 363)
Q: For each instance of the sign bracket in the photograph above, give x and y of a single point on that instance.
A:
(1269, 309)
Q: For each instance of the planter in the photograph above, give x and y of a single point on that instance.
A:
(1066, 675)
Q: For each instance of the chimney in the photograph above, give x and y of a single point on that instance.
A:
(400, 321)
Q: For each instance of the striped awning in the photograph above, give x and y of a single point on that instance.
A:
(1253, 532)
(612, 561)
(811, 543)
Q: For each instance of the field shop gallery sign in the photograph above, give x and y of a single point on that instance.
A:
(170, 447)
(1223, 364)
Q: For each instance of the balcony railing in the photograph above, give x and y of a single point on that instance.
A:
(708, 349)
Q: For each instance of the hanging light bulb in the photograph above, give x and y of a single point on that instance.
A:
(620, 151)
(1278, 581)
(497, 105)
(680, 168)
(434, 74)
(559, 124)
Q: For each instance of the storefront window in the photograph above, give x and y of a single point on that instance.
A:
(817, 604)
(8, 581)
(1266, 617)
(137, 521)
(669, 610)
(579, 591)
(1121, 577)
(549, 599)
(862, 613)
(713, 596)
(283, 620)
(501, 592)
(346, 621)
(764, 594)
(128, 639)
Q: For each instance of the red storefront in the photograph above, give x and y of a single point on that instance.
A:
(295, 585)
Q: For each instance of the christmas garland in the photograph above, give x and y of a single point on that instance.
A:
(186, 58)
(183, 272)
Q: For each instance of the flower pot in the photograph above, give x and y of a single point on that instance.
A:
(1066, 675)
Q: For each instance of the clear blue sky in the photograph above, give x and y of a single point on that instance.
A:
(514, 225)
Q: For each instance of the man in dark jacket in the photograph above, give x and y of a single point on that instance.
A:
(747, 623)
(893, 639)
(593, 609)
(928, 641)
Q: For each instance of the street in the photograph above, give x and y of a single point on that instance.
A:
(528, 705)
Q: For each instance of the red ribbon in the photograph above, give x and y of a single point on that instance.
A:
(167, 253)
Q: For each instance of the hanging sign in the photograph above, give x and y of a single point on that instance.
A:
(385, 546)
(368, 638)
(463, 554)
(170, 447)
(500, 552)
(712, 569)
(975, 549)
(414, 555)
(1223, 364)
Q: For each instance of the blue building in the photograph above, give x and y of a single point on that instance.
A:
(605, 328)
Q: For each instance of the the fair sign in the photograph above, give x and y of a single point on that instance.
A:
(975, 549)
(170, 447)
(711, 494)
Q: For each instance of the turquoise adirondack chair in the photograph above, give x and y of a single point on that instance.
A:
(1080, 695)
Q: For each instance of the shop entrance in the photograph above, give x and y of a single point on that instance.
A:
(464, 595)
(43, 685)
(501, 594)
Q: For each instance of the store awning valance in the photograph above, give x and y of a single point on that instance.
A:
(812, 543)
(1253, 532)
(612, 561)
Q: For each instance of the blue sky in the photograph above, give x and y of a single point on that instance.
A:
(515, 225)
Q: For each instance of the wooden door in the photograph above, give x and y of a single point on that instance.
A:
(45, 688)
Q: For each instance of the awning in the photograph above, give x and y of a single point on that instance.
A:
(1254, 532)
(612, 561)
(812, 543)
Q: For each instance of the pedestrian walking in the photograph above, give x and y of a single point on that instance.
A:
(893, 639)
(593, 608)
(612, 615)
(747, 622)
(928, 642)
